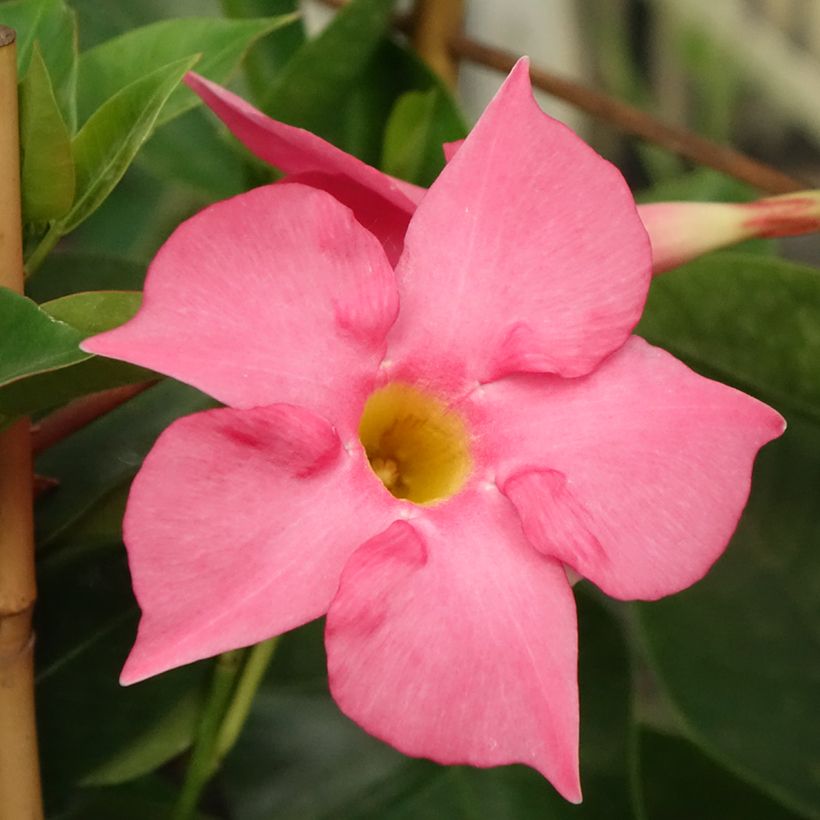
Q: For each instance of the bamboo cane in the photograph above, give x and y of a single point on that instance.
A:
(19, 768)
(436, 22)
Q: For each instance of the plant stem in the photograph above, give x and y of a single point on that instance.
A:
(43, 249)
(82, 411)
(257, 663)
(201, 765)
(225, 714)
(19, 767)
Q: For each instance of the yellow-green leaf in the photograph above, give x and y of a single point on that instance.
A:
(47, 169)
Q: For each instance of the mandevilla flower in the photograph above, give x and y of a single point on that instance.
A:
(422, 453)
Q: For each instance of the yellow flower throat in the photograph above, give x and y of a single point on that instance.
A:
(415, 444)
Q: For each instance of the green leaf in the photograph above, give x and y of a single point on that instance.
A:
(393, 70)
(115, 64)
(108, 142)
(32, 341)
(66, 272)
(96, 311)
(47, 337)
(92, 730)
(421, 121)
(739, 652)
(107, 453)
(308, 90)
(54, 25)
(679, 783)
(300, 758)
(47, 166)
(746, 319)
(273, 52)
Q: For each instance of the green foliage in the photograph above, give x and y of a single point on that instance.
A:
(421, 122)
(41, 364)
(680, 783)
(737, 652)
(92, 730)
(47, 165)
(65, 272)
(33, 341)
(116, 63)
(275, 51)
(751, 320)
(53, 25)
(108, 142)
(731, 665)
(307, 91)
(107, 453)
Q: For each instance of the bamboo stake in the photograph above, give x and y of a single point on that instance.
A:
(19, 768)
(436, 23)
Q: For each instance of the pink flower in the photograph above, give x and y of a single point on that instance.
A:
(419, 453)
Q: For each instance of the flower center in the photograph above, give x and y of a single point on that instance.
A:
(416, 445)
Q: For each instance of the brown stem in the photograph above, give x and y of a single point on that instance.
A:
(77, 414)
(637, 122)
(632, 120)
(436, 23)
(19, 767)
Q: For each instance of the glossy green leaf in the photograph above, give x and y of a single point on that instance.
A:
(679, 783)
(53, 24)
(115, 64)
(738, 652)
(393, 70)
(268, 57)
(32, 341)
(108, 142)
(325, 70)
(57, 369)
(749, 320)
(92, 730)
(47, 165)
(420, 123)
(299, 757)
(95, 311)
(66, 272)
(107, 453)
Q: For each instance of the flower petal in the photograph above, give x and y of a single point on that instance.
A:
(276, 295)
(635, 476)
(451, 638)
(387, 222)
(237, 528)
(526, 254)
(292, 150)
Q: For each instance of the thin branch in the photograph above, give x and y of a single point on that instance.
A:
(634, 121)
(77, 414)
